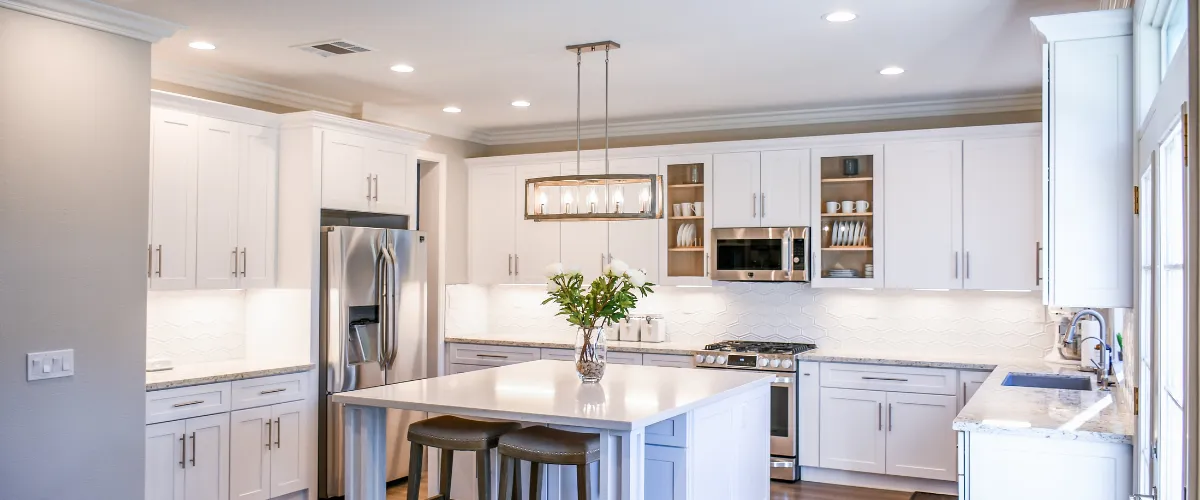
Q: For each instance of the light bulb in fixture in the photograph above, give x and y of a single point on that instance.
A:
(618, 198)
(402, 68)
(452, 109)
(567, 198)
(644, 199)
(521, 104)
(591, 201)
(840, 16)
(198, 45)
(541, 197)
(891, 70)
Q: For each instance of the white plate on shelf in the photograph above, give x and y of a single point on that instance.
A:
(836, 238)
(679, 236)
(858, 230)
(862, 235)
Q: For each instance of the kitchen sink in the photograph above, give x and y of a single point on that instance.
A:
(1048, 382)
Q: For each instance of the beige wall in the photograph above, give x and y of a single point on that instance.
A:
(774, 132)
(74, 204)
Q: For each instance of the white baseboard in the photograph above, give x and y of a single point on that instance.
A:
(877, 481)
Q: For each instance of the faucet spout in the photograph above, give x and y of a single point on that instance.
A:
(1104, 367)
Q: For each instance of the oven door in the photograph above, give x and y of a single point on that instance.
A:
(783, 428)
(760, 254)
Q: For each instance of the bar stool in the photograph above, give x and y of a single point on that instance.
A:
(540, 445)
(451, 434)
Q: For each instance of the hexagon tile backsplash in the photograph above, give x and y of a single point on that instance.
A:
(196, 326)
(1000, 324)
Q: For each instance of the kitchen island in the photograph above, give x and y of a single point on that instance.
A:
(716, 421)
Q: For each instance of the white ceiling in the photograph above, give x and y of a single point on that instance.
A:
(679, 57)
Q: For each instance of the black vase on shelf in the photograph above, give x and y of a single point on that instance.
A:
(850, 166)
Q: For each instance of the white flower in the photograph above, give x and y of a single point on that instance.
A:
(554, 269)
(618, 267)
(551, 287)
(637, 277)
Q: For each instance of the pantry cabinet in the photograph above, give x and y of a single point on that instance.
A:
(768, 189)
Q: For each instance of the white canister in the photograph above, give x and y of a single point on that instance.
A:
(626, 331)
(1089, 344)
(656, 329)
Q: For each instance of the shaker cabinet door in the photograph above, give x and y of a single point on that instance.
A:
(1001, 214)
(395, 175)
(207, 472)
(250, 454)
(492, 225)
(257, 207)
(165, 461)
(737, 197)
(172, 251)
(920, 442)
(289, 454)
(636, 241)
(852, 430)
(923, 216)
(537, 243)
(784, 182)
(217, 190)
(345, 180)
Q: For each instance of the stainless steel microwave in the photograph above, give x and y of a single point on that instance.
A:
(760, 254)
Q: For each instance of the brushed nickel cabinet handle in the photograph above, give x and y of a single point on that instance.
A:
(272, 391)
(243, 262)
(158, 272)
(754, 204)
(1037, 263)
(368, 187)
(706, 263)
(235, 261)
(762, 204)
(955, 265)
(189, 403)
(268, 433)
(376, 197)
(886, 379)
(880, 419)
(193, 449)
(182, 452)
(510, 272)
(493, 356)
(518, 266)
(278, 434)
(968, 265)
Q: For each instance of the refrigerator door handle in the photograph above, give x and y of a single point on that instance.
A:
(381, 299)
(392, 332)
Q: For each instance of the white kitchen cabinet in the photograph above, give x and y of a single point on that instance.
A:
(688, 265)
(172, 250)
(165, 463)
(492, 223)
(920, 442)
(852, 432)
(1001, 215)
(970, 381)
(394, 168)
(346, 183)
(808, 419)
(666, 473)
(583, 245)
(767, 189)
(1088, 137)
(456, 368)
(668, 360)
(257, 205)
(924, 218)
(635, 241)
(206, 474)
(250, 454)
(289, 457)
(537, 243)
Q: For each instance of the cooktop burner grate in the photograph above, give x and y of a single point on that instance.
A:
(760, 347)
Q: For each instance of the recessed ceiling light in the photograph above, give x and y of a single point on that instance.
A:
(452, 109)
(891, 70)
(521, 104)
(202, 46)
(840, 16)
(402, 68)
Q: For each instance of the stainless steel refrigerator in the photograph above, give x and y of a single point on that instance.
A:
(373, 332)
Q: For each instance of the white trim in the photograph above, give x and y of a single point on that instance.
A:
(249, 89)
(203, 107)
(1084, 25)
(439, 347)
(317, 119)
(824, 141)
(97, 16)
(918, 109)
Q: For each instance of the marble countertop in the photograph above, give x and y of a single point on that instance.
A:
(561, 342)
(550, 392)
(220, 371)
(901, 359)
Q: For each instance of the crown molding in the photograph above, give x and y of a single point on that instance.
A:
(1084, 25)
(98, 16)
(317, 119)
(395, 115)
(204, 107)
(729, 121)
(249, 89)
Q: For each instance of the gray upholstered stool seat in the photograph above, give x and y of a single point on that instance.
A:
(450, 434)
(540, 445)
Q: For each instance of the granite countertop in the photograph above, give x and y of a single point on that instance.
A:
(220, 371)
(562, 342)
(900, 359)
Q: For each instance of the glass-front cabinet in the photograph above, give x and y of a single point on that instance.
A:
(847, 230)
(687, 210)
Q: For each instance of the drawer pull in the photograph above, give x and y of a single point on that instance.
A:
(495, 356)
(272, 391)
(886, 379)
(189, 403)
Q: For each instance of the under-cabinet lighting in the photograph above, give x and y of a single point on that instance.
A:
(864, 289)
(1010, 291)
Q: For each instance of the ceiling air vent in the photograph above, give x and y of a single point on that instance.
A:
(332, 48)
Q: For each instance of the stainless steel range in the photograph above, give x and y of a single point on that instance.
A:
(768, 357)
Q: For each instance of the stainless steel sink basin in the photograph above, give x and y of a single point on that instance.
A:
(1048, 382)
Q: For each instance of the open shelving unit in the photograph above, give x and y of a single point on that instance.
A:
(686, 184)
(832, 184)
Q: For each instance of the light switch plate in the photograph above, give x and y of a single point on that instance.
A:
(50, 364)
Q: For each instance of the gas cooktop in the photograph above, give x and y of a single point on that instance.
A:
(760, 347)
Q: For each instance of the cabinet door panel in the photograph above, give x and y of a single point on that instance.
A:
(537, 243)
(164, 461)
(784, 184)
(852, 432)
(207, 473)
(173, 161)
(217, 204)
(394, 178)
(736, 191)
(290, 453)
(344, 181)
(923, 216)
(257, 206)
(584, 244)
(1001, 219)
(492, 224)
(971, 382)
(636, 242)
(666, 473)
(250, 454)
(920, 442)
(808, 418)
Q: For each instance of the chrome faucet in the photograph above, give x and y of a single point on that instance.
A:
(1104, 373)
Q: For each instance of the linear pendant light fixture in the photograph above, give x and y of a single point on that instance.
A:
(593, 197)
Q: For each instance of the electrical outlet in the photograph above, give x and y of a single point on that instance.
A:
(50, 364)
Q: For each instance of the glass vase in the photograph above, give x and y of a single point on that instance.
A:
(591, 354)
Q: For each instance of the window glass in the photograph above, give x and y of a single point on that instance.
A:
(1170, 219)
(1174, 31)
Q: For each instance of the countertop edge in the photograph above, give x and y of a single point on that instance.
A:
(816, 357)
(649, 348)
(967, 425)
(229, 377)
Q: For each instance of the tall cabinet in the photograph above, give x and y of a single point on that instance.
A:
(1087, 113)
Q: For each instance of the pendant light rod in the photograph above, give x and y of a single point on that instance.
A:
(578, 109)
(606, 50)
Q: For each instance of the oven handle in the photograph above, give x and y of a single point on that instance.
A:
(783, 381)
(782, 464)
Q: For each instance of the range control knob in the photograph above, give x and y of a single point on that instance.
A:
(787, 363)
(710, 358)
(720, 360)
(763, 362)
(774, 363)
(699, 358)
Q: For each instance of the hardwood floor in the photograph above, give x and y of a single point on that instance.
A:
(779, 491)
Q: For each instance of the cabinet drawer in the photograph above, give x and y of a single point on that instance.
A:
(558, 354)
(889, 378)
(265, 391)
(671, 360)
(187, 402)
(616, 358)
(491, 355)
(671, 432)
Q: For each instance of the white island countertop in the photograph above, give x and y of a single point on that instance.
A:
(546, 391)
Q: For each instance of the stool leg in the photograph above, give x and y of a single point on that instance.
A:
(505, 478)
(581, 477)
(447, 468)
(483, 473)
(416, 458)
(535, 481)
(516, 482)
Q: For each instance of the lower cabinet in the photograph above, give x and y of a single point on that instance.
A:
(971, 382)
(268, 452)
(188, 459)
(852, 436)
(666, 473)
(894, 433)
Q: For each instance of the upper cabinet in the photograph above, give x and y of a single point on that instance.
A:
(768, 189)
(213, 196)
(684, 237)
(847, 233)
(924, 215)
(1087, 253)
